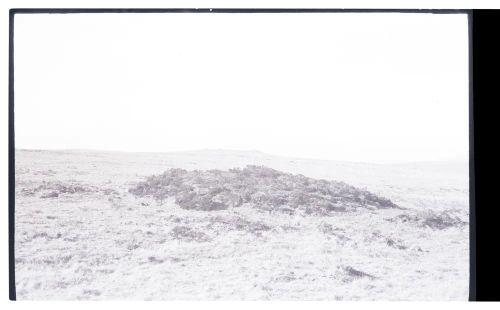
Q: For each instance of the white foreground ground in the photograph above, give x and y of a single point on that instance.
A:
(105, 243)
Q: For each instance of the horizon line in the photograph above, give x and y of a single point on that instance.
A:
(384, 161)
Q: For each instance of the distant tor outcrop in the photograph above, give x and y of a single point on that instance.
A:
(259, 187)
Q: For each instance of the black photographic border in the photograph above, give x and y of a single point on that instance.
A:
(485, 18)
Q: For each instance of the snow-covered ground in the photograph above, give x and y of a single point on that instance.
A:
(80, 233)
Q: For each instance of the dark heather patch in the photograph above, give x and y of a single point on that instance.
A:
(263, 188)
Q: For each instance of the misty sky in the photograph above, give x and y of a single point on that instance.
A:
(360, 87)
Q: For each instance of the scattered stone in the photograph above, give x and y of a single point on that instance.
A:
(188, 234)
(50, 195)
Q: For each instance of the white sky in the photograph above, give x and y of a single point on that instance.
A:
(360, 87)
